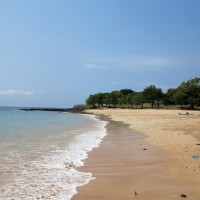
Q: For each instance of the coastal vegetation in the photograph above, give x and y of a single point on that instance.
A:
(186, 95)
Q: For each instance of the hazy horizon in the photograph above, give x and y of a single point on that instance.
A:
(56, 53)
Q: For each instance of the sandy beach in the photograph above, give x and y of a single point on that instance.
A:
(147, 154)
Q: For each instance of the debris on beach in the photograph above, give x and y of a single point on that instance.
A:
(70, 165)
(135, 193)
(187, 113)
(195, 156)
(198, 144)
(144, 149)
(183, 195)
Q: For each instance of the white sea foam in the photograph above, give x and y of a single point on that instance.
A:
(55, 176)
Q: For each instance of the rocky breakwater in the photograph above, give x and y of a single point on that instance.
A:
(76, 109)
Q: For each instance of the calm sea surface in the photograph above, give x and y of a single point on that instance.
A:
(40, 150)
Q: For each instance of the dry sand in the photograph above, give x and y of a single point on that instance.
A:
(165, 170)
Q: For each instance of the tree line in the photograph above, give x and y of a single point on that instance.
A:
(187, 93)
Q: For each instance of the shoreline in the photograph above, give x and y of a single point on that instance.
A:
(47, 167)
(178, 175)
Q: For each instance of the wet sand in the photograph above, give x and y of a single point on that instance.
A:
(128, 161)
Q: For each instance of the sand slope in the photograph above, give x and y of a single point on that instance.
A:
(167, 168)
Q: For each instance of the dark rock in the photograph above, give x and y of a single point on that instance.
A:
(135, 193)
(183, 195)
(144, 149)
(75, 109)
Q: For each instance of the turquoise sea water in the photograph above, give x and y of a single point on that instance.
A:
(39, 152)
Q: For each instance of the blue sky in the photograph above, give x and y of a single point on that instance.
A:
(56, 53)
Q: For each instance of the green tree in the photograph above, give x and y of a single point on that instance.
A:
(107, 99)
(186, 93)
(158, 96)
(190, 91)
(168, 97)
(99, 98)
(180, 97)
(129, 99)
(114, 95)
(126, 91)
(138, 99)
(91, 100)
(193, 92)
(153, 95)
(121, 100)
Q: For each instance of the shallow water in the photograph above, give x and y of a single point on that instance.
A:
(40, 150)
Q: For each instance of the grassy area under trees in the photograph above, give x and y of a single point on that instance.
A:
(186, 95)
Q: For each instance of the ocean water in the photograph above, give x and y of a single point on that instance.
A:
(40, 153)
